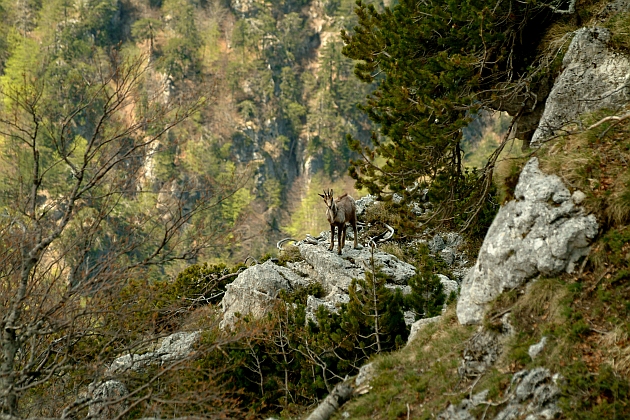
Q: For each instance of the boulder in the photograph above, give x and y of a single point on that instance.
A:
(335, 270)
(102, 399)
(255, 290)
(542, 231)
(594, 78)
(417, 326)
(174, 347)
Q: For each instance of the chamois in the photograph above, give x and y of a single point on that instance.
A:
(339, 212)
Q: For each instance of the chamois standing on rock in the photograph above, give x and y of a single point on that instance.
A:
(339, 212)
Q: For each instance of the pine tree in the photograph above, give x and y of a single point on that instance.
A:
(374, 317)
(435, 64)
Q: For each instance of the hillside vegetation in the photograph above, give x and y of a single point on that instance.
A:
(584, 315)
(153, 152)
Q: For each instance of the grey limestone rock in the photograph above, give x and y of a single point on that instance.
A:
(255, 290)
(448, 256)
(335, 270)
(365, 375)
(460, 411)
(331, 302)
(363, 203)
(481, 351)
(535, 349)
(613, 7)
(410, 317)
(404, 289)
(535, 396)
(448, 286)
(417, 326)
(436, 244)
(594, 78)
(102, 397)
(174, 347)
(532, 395)
(416, 208)
(541, 232)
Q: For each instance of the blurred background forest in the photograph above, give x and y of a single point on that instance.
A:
(279, 99)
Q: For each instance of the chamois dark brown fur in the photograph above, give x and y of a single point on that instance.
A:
(340, 211)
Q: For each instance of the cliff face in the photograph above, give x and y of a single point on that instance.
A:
(594, 77)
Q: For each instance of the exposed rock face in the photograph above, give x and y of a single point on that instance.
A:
(594, 78)
(331, 302)
(541, 232)
(613, 7)
(101, 399)
(532, 395)
(365, 375)
(363, 203)
(480, 353)
(255, 290)
(448, 286)
(335, 271)
(174, 347)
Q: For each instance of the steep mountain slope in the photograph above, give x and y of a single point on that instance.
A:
(282, 97)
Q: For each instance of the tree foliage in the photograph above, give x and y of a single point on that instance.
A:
(436, 63)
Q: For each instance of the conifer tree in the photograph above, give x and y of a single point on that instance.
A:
(435, 64)
(374, 317)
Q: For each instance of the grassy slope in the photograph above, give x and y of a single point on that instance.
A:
(585, 315)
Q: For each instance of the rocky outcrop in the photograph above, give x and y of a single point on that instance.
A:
(255, 290)
(480, 353)
(174, 347)
(594, 78)
(106, 399)
(335, 271)
(532, 394)
(542, 231)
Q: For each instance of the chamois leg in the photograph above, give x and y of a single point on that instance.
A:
(343, 236)
(332, 237)
(339, 229)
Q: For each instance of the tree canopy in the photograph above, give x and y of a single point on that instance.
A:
(435, 64)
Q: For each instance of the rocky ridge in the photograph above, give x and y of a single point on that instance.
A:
(256, 289)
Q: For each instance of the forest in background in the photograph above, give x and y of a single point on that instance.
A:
(279, 98)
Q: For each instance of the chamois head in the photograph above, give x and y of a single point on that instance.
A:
(328, 198)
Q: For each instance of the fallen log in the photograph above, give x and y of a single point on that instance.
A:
(339, 395)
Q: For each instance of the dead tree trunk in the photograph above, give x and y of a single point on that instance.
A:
(339, 395)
